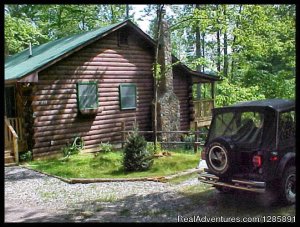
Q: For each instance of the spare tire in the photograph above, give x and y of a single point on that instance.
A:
(219, 157)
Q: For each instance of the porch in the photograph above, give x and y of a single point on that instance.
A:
(202, 111)
(14, 140)
(203, 102)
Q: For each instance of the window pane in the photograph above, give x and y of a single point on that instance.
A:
(87, 96)
(128, 91)
(242, 127)
(128, 102)
(87, 89)
(89, 101)
(128, 96)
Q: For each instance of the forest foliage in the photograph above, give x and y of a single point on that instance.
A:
(251, 47)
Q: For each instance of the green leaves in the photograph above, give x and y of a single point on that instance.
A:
(255, 44)
(19, 33)
(230, 93)
(40, 23)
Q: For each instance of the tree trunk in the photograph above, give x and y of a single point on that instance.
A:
(203, 49)
(233, 48)
(218, 43)
(112, 14)
(198, 42)
(159, 13)
(127, 11)
(225, 67)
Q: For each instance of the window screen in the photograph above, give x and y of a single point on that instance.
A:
(87, 95)
(127, 96)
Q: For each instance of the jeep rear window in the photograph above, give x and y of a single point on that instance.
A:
(240, 127)
(287, 128)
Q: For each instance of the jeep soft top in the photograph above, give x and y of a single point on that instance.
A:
(278, 105)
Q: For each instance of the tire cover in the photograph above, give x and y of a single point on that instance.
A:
(219, 157)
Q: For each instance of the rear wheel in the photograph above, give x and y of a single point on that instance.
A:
(288, 186)
(219, 157)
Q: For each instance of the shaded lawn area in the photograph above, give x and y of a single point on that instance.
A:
(109, 165)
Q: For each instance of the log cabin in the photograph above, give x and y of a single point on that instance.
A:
(86, 85)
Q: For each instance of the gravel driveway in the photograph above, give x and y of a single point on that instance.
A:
(35, 197)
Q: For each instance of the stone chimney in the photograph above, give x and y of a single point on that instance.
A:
(168, 109)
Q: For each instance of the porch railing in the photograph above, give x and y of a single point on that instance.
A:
(17, 124)
(11, 138)
(203, 109)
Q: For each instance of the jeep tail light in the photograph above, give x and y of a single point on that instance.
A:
(274, 158)
(257, 161)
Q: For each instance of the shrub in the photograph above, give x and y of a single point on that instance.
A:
(189, 139)
(150, 147)
(73, 148)
(136, 156)
(25, 156)
(105, 147)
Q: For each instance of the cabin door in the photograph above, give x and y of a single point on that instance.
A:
(10, 102)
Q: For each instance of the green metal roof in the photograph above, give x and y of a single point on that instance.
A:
(21, 64)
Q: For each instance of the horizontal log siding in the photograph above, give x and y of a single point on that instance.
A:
(181, 83)
(55, 99)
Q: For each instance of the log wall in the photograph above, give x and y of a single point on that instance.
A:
(183, 89)
(56, 116)
(54, 101)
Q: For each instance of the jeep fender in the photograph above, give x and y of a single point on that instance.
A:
(283, 162)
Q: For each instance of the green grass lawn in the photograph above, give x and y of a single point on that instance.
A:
(109, 165)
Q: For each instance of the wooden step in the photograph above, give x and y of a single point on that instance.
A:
(8, 156)
(9, 159)
(10, 164)
(8, 152)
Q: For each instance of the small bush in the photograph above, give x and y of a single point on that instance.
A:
(189, 139)
(151, 147)
(136, 156)
(73, 148)
(25, 156)
(105, 147)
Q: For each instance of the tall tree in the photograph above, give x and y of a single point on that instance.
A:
(198, 41)
(234, 45)
(19, 33)
(218, 40)
(225, 67)
(251, 45)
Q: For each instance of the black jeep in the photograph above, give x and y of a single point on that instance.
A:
(251, 146)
